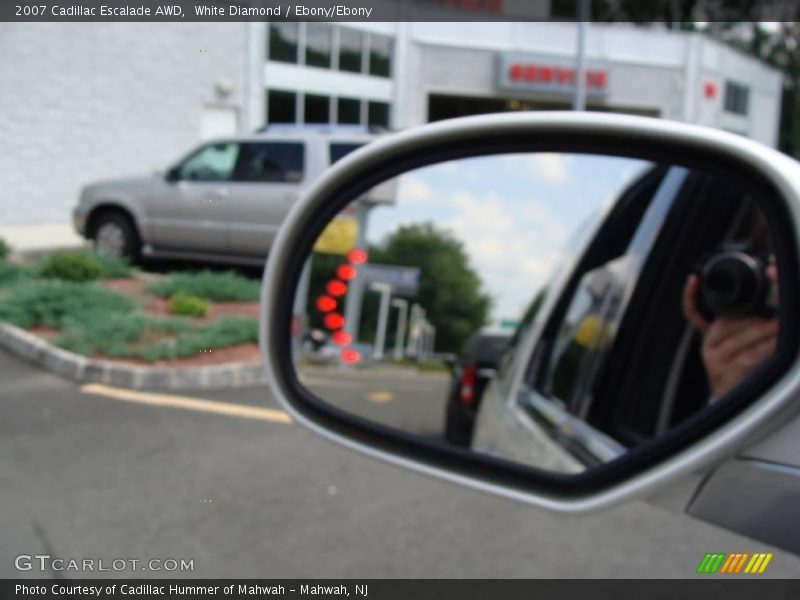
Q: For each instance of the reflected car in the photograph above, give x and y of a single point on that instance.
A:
(470, 376)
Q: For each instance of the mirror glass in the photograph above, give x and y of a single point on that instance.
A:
(553, 309)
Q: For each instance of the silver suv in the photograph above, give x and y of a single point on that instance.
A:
(223, 202)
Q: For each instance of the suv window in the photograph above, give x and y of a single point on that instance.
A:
(277, 162)
(214, 162)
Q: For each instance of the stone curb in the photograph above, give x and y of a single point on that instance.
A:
(86, 370)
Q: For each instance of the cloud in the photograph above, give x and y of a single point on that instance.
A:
(513, 251)
(413, 190)
(543, 167)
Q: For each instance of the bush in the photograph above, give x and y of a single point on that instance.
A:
(84, 266)
(150, 338)
(117, 268)
(116, 335)
(5, 249)
(30, 303)
(72, 266)
(186, 304)
(210, 285)
(11, 273)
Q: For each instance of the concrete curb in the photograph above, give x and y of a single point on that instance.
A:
(86, 370)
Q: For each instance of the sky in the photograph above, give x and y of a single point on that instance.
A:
(513, 212)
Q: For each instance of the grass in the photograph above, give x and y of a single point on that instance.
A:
(83, 266)
(30, 303)
(116, 268)
(209, 285)
(150, 338)
(11, 273)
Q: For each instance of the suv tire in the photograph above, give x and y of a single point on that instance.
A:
(114, 234)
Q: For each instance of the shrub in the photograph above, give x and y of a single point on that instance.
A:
(210, 285)
(117, 334)
(30, 303)
(117, 268)
(182, 303)
(5, 249)
(72, 266)
(11, 273)
(150, 338)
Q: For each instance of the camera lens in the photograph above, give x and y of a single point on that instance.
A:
(733, 283)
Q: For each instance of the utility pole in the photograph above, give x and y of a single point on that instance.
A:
(402, 315)
(579, 99)
(385, 291)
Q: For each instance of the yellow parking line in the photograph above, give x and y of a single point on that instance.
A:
(380, 396)
(221, 408)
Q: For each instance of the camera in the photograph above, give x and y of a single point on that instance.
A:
(734, 283)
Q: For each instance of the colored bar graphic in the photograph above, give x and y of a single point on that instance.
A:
(741, 562)
(759, 562)
(724, 563)
(711, 562)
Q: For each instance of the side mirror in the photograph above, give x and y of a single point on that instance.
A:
(172, 175)
(601, 220)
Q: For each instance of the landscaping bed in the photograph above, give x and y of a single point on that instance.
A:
(104, 309)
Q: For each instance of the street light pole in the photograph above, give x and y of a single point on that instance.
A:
(402, 307)
(579, 99)
(383, 317)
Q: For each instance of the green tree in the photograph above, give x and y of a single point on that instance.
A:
(449, 291)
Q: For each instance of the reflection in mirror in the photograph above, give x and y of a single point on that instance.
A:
(557, 310)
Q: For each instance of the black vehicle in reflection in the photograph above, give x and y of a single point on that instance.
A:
(470, 376)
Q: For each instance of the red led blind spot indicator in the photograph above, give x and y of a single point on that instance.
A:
(333, 321)
(336, 288)
(345, 272)
(326, 303)
(350, 356)
(340, 338)
(356, 256)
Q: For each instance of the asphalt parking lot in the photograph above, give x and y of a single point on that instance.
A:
(234, 486)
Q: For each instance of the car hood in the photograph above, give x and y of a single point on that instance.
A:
(119, 185)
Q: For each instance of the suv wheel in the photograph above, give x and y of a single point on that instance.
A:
(115, 235)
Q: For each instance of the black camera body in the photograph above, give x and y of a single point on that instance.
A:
(734, 283)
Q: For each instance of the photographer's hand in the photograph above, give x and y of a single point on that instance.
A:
(732, 347)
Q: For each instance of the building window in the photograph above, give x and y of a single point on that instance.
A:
(380, 55)
(317, 109)
(378, 114)
(283, 42)
(736, 98)
(349, 111)
(281, 107)
(319, 41)
(351, 43)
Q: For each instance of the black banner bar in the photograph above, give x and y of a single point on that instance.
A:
(393, 10)
(702, 588)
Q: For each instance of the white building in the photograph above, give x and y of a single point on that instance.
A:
(82, 102)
